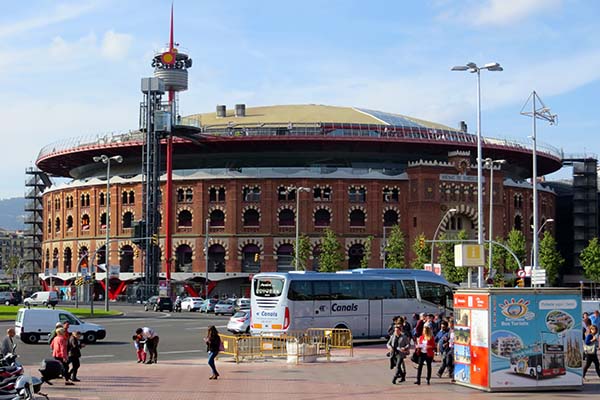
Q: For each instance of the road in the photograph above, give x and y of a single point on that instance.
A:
(181, 336)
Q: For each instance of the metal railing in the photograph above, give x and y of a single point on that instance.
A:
(299, 345)
(409, 133)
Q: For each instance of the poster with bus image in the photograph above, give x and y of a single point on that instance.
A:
(534, 340)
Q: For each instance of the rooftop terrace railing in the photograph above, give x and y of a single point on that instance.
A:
(416, 134)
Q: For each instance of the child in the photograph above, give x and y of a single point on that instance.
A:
(139, 348)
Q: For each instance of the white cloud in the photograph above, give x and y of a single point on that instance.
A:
(116, 45)
(62, 12)
(499, 12)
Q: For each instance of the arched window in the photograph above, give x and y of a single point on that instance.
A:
(127, 219)
(251, 194)
(217, 218)
(85, 222)
(83, 200)
(131, 197)
(49, 227)
(357, 218)
(251, 258)
(355, 255)
(184, 218)
(286, 218)
(518, 225)
(322, 193)
(322, 218)
(87, 200)
(125, 198)
(251, 217)
(103, 220)
(67, 259)
(83, 257)
(357, 194)
(57, 225)
(286, 194)
(126, 259)
(390, 218)
(69, 223)
(285, 258)
(180, 195)
(183, 258)
(55, 260)
(216, 258)
(101, 198)
(391, 195)
(101, 255)
(47, 259)
(189, 195)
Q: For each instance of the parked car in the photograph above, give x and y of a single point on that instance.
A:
(208, 305)
(191, 303)
(8, 298)
(225, 307)
(242, 304)
(239, 322)
(158, 303)
(46, 299)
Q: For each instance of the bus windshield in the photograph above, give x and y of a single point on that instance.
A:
(268, 287)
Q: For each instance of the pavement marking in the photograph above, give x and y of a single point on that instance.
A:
(99, 356)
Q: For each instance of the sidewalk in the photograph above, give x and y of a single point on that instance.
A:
(365, 376)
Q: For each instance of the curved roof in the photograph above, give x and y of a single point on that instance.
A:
(314, 113)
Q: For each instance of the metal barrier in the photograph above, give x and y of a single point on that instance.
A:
(295, 345)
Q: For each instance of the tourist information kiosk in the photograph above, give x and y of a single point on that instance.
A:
(518, 339)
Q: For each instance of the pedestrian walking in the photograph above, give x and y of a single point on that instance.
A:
(60, 353)
(8, 344)
(590, 350)
(75, 347)
(446, 348)
(139, 345)
(213, 346)
(150, 336)
(426, 346)
(398, 348)
(53, 333)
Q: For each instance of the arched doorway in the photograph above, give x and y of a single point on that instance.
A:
(216, 258)
(251, 258)
(67, 259)
(355, 255)
(183, 258)
(285, 258)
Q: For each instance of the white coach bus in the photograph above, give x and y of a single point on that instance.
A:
(363, 300)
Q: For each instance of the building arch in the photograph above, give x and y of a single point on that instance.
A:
(126, 258)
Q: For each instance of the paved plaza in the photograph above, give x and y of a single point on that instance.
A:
(364, 376)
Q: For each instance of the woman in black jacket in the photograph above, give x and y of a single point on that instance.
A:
(74, 347)
(213, 346)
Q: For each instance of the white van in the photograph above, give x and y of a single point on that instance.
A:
(35, 324)
(46, 299)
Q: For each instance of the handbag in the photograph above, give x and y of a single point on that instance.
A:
(415, 356)
(589, 349)
(221, 346)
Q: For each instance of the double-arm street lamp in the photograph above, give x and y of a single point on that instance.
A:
(298, 190)
(537, 235)
(450, 211)
(106, 160)
(489, 163)
(473, 68)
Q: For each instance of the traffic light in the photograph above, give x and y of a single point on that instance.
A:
(139, 231)
(155, 239)
(256, 255)
(422, 242)
(521, 282)
(93, 276)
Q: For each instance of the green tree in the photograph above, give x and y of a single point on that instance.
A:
(590, 260)
(451, 273)
(422, 252)
(394, 249)
(550, 258)
(368, 249)
(304, 252)
(331, 259)
(515, 242)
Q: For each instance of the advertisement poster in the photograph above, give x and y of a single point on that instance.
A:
(471, 339)
(535, 340)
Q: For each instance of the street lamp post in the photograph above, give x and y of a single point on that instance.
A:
(532, 252)
(206, 233)
(450, 211)
(106, 160)
(489, 163)
(473, 68)
(385, 228)
(298, 191)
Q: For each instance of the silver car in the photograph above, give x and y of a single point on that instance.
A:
(191, 303)
(225, 307)
(239, 322)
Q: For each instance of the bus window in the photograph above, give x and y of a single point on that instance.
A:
(410, 289)
(268, 287)
(379, 290)
(432, 292)
(449, 298)
(346, 290)
(300, 290)
(321, 290)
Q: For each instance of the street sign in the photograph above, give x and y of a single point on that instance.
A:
(468, 255)
(538, 276)
(521, 273)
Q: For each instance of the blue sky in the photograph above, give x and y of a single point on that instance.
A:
(73, 68)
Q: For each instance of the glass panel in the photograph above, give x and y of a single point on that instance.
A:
(268, 287)
(410, 289)
(346, 290)
(321, 290)
(300, 290)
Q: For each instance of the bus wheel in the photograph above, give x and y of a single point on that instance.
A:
(341, 326)
(532, 373)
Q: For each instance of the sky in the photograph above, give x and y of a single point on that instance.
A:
(73, 68)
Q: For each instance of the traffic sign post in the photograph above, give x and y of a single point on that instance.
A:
(538, 277)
